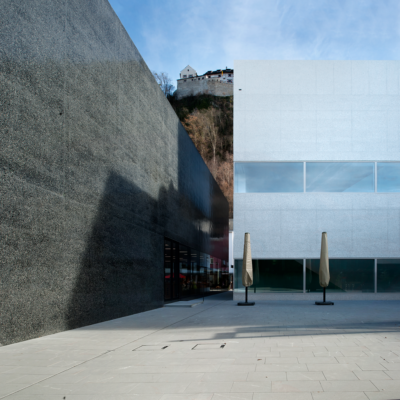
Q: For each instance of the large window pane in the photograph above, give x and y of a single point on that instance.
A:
(339, 177)
(388, 276)
(273, 275)
(346, 276)
(269, 177)
(388, 177)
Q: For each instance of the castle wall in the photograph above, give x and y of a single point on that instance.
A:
(203, 86)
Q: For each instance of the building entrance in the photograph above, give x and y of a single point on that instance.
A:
(188, 272)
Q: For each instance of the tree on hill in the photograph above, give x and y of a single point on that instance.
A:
(209, 122)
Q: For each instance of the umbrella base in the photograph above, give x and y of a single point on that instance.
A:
(324, 303)
(250, 303)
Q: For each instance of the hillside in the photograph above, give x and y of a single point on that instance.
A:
(209, 122)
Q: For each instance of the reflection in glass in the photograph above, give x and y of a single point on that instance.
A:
(185, 273)
(167, 269)
(196, 278)
(346, 276)
(388, 276)
(269, 177)
(188, 272)
(339, 177)
(219, 278)
(273, 275)
(388, 177)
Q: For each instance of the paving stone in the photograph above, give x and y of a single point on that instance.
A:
(296, 386)
(340, 376)
(284, 364)
(343, 396)
(372, 375)
(348, 386)
(305, 376)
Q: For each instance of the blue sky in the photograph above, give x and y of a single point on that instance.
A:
(170, 34)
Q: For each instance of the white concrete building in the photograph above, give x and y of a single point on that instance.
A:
(222, 75)
(317, 148)
(187, 72)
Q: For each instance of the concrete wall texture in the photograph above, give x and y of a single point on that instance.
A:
(317, 111)
(95, 170)
(203, 86)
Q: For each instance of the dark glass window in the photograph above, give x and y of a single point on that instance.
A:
(273, 275)
(167, 269)
(185, 271)
(269, 177)
(349, 275)
(388, 177)
(339, 177)
(388, 277)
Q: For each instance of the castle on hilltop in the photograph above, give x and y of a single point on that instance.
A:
(216, 83)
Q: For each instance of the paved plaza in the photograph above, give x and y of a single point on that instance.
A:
(277, 350)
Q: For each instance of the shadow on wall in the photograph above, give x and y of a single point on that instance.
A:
(121, 270)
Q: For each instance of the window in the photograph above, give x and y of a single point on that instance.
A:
(339, 177)
(185, 76)
(388, 177)
(219, 76)
(229, 74)
(190, 76)
(273, 275)
(202, 77)
(269, 177)
(184, 80)
(198, 78)
(388, 277)
(349, 275)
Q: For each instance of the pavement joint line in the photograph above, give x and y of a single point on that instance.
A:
(109, 351)
(45, 379)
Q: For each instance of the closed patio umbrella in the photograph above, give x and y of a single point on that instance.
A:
(247, 268)
(324, 276)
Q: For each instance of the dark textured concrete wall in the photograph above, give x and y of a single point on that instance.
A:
(95, 169)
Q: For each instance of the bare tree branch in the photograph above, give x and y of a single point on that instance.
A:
(164, 81)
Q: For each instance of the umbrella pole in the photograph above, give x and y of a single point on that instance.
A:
(324, 303)
(246, 294)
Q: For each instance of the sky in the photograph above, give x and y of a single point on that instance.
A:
(205, 34)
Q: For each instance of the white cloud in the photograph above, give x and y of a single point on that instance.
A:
(210, 35)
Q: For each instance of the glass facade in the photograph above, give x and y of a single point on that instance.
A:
(340, 177)
(188, 272)
(273, 275)
(388, 177)
(275, 177)
(388, 276)
(289, 177)
(347, 276)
